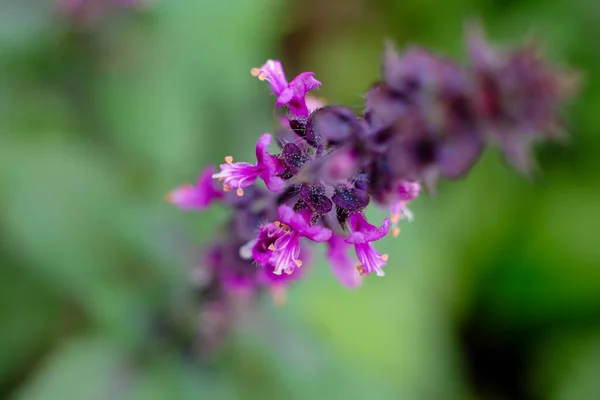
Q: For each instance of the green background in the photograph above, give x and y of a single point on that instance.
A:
(493, 292)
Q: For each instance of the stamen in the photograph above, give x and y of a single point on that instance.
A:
(254, 71)
(262, 76)
(298, 263)
(395, 232)
(395, 218)
(360, 269)
(169, 197)
(384, 257)
(228, 159)
(271, 247)
(226, 188)
(239, 192)
(288, 271)
(277, 224)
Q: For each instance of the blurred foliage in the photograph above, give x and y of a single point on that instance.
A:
(492, 293)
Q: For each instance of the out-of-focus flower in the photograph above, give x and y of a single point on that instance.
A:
(198, 196)
(407, 192)
(343, 267)
(518, 95)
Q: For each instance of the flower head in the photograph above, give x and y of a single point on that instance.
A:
(198, 196)
(363, 233)
(241, 174)
(292, 94)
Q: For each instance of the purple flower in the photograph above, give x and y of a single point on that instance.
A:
(292, 94)
(241, 174)
(343, 267)
(407, 191)
(199, 196)
(361, 237)
(278, 243)
(234, 273)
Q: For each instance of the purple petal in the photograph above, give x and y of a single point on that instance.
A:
(286, 214)
(304, 83)
(266, 236)
(269, 164)
(294, 157)
(274, 183)
(408, 190)
(363, 232)
(298, 88)
(317, 233)
(294, 96)
(342, 266)
(262, 146)
(199, 196)
(272, 72)
(300, 222)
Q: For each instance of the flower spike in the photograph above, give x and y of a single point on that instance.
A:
(428, 118)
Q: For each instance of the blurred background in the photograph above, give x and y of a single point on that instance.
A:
(493, 292)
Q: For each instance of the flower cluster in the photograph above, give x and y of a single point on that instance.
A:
(428, 118)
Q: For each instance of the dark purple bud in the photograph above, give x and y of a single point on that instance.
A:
(301, 206)
(415, 70)
(285, 134)
(384, 105)
(342, 216)
(384, 135)
(294, 157)
(361, 181)
(285, 173)
(423, 151)
(457, 156)
(334, 124)
(380, 178)
(288, 194)
(351, 199)
(298, 125)
(314, 196)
